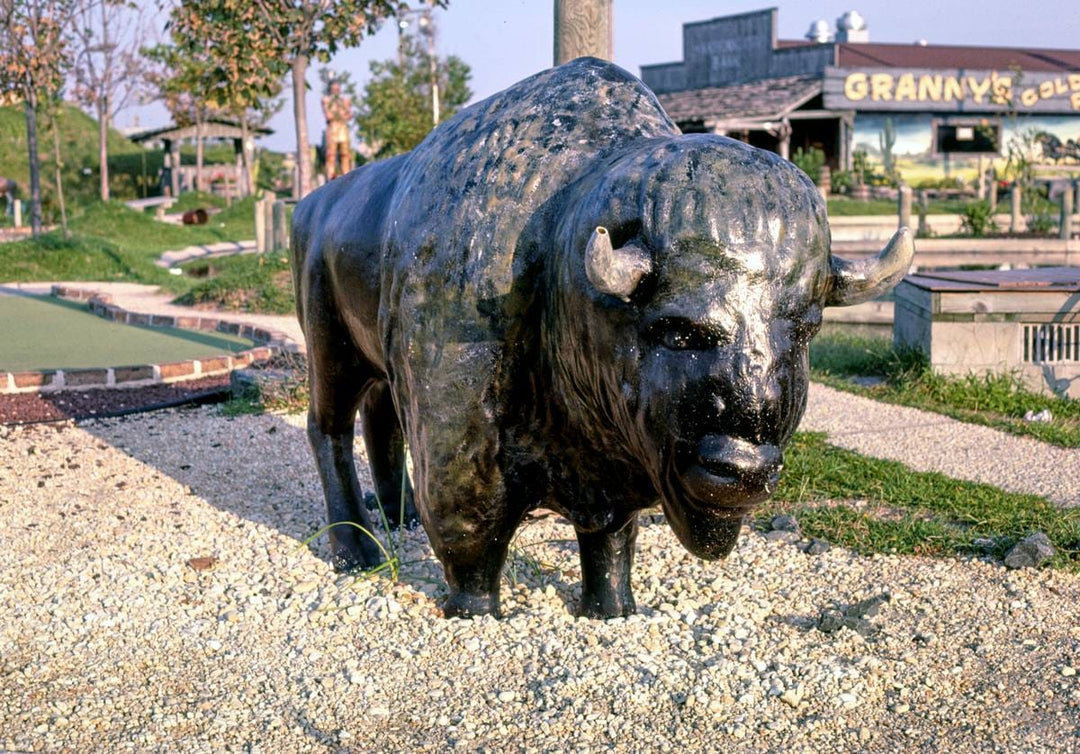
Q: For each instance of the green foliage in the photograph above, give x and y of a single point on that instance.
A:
(395, 109)
(842, 181)
(976, 219)
(998, 401)
(860, 162)
(897, 510)
(253, 283)
(1041, 213)
(810, 162)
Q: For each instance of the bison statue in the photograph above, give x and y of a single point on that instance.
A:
(559, 300)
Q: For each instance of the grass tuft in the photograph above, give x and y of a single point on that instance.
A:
(877, 506)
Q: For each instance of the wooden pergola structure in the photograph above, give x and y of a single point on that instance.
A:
(172, 136)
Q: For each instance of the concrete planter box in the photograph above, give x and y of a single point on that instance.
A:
(1020, 321)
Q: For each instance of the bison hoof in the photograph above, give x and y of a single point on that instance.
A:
(461, 605)
(355, 555)
(605, 609)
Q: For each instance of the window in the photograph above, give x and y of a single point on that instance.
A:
(967, 137)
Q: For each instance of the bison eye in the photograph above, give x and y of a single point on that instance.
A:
(684, 335)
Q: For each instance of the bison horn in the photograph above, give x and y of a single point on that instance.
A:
(614, 271)
(859, 281)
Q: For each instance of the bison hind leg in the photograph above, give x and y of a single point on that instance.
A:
(606, 562)
(384, 439)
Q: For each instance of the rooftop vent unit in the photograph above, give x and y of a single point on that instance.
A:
(820, 32)
(851, 27)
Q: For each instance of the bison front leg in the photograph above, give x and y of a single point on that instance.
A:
(472, 549)
(606, 560)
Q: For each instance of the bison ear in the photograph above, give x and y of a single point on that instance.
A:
(615, 271)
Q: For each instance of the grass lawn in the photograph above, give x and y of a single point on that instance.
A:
(110, 242)
(47, 333)
(836, 355)
(250, 282)
(876, 506)
(844, 207)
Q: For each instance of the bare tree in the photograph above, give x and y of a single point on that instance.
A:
(32, 64)
(108, 70)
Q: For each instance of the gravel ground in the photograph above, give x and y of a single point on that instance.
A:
(931, 442)
(156, 595)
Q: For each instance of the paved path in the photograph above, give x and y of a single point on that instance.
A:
(931, 442)
(205, 251)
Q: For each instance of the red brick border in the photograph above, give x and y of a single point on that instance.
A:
(269, 343)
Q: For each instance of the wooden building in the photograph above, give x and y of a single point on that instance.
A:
(938, 109)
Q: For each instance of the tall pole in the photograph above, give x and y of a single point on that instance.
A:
(584, 27)
(434, 63)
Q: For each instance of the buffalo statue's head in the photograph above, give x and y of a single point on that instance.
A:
(692, 275)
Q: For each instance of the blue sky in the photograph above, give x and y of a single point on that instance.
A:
(506, 40)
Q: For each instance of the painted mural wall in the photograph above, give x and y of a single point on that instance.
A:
(919, 163)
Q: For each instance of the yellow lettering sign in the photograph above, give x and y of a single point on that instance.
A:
(881, 87)
(954, 89)
(978, 88)
(905, 88)
(1002, 90)
(855, 86)
(994, 89)
(930, 88)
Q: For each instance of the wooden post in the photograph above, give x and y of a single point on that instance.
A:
(1067, 211)
(1014, 220)
(18, 212)
(583, 27)
(281, 231)
(260, 225)
(904, 206)
(268, 221)
(924, 227)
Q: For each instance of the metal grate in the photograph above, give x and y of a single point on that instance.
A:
(1051, 343)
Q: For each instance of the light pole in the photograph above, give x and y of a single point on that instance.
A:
(426, 23)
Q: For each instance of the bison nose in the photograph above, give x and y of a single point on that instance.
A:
(725, 455)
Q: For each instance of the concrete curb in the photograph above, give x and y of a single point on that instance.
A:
(191, 253)
(271, 342)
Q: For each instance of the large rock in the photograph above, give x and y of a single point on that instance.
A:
(1030, 552)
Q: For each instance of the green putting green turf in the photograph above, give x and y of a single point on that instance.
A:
(41, 332)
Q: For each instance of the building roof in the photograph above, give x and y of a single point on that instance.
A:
(767, 99)
(880, 55)
(212, 129)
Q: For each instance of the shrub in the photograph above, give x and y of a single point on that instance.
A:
(810, 162)
(977, 219)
